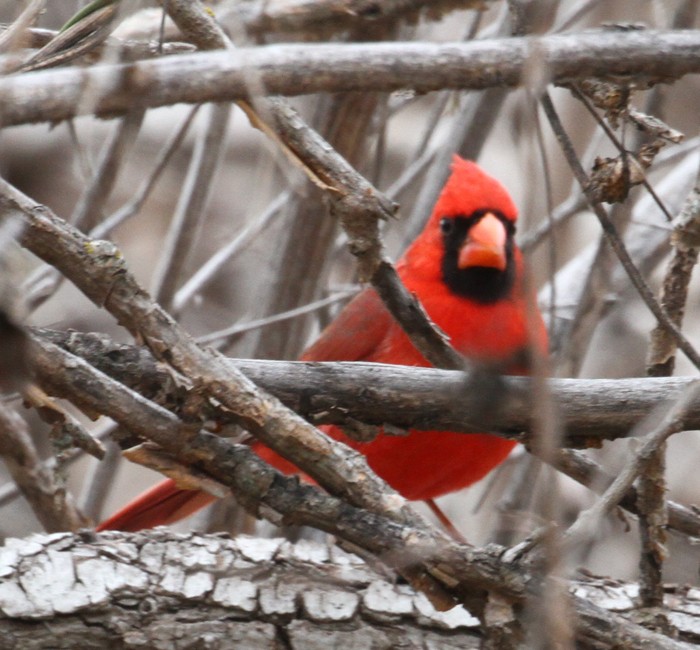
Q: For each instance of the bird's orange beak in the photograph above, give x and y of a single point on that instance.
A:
(485, 245)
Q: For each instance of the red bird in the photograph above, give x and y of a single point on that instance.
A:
(468, 273)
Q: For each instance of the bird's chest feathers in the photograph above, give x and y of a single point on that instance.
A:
(490, 333)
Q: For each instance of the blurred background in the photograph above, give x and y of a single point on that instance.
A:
(284, 251)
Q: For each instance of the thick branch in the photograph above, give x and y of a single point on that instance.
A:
(592, 410)
(301, 69)
(244, 592)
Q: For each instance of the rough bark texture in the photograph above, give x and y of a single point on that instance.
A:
(163, 590)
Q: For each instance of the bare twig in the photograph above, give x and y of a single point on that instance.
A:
(576, 201)
(142, 193)
(189, 213)
(88, 211)
(673, 422)
(207, 272)
(580, 467)
(613, 238)
(10, 491)
(660, 362)
(100, 482)
(661, 359)
(629, 161)
(224, 338)
(48, 499)
(646, 241)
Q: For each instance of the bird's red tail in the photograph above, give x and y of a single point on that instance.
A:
(163, 504)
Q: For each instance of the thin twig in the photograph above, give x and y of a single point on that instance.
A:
(189, 214)
(207, 272)
(614, 239)
(224, 338)
(646, 241)
(621, 148)
(10, 491)
(100, 482)
(143, 192)
(587, 522)
(580, 467)
(576, 201)
(48, 498)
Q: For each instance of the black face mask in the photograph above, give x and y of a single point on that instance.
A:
(481, 284)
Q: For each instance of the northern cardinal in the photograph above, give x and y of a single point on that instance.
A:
(468, 273)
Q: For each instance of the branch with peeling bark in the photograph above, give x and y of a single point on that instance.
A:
(447, 572)
(245, 591)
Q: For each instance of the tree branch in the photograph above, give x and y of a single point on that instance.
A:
(245, 591)
(51, 505)
(591, 410)
(98, 270)
(291, 70)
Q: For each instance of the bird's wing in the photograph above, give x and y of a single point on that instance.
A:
(355, 334)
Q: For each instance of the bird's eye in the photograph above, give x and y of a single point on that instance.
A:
(447, 225)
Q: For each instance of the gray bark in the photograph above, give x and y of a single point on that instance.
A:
(164, 590)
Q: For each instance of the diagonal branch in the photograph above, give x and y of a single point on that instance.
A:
(613, 237)
(98, 270)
